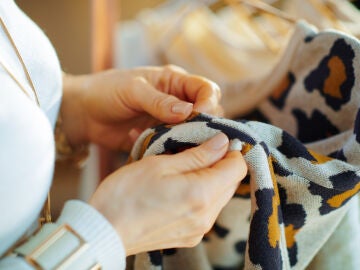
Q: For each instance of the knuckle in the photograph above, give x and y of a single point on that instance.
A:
(199, 200)
(138, 81)
(198, 157)
(160, 102)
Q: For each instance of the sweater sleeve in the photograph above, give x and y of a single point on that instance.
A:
(105, 246)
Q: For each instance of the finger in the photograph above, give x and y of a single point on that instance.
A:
(208, 99)
(199, 157)
(164, 107)
(227, 172)
(204, 93)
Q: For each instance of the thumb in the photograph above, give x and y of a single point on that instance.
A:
(164, 107)
(199, 157)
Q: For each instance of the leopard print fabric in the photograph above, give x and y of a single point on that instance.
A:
(304, 174)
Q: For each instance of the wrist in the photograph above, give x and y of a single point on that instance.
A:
(71, 111)
(71, 142)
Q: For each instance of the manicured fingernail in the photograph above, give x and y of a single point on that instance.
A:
(182, 108)
(218, 142)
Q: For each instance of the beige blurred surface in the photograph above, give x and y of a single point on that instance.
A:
(67, 24)
(128, 9)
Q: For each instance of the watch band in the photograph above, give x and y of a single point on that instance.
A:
(57, 247)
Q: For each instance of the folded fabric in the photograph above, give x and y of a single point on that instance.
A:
(294, 197)
(219, 46)
(299, 200)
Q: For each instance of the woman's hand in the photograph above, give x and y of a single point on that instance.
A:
(170, 201)
(112, 108)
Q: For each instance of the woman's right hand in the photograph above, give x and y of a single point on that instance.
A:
(170, 201)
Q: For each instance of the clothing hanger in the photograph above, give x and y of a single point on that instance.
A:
(245, 8)
(325, 10)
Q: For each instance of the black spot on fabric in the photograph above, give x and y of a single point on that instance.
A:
(293, 215)
(173, 146)
(158, 132)
(220, 231)
(232, 133)
(226, 267)
(169, 251)
(260, 251)
(206, 238)
(246, 180)
(293, 148)
(356, 3)
(201, 117)
(255, 115)
(280, 170)
(265, 147)
(280, 215)
(314, 128)
(309, 38)
(357, 127)
(338, 155)
(292, 252)
(333, 198)
(345, 180)
(240, 247)
(317, 78)
(279, 101)
(155, 258)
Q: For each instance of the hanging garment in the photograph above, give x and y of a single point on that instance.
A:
(225, 48)
(324, 14)
(299, 202)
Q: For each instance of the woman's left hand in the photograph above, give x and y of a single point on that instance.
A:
(112, 108)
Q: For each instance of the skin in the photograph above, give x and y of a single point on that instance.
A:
(111, 109)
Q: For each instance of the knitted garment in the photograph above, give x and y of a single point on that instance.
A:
(295, 195)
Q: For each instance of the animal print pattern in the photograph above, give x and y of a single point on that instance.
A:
(294, 197)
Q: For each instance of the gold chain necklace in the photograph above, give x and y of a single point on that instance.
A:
(46, 212)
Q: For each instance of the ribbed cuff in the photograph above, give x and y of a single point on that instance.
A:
(104, 241)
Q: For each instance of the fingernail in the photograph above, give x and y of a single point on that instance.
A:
(182, 108)
(218, 142)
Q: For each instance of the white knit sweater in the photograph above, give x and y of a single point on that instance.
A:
(27, 146)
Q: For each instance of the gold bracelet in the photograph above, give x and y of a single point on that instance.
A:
(65, 151)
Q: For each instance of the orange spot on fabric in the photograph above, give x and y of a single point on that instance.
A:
(192, 115)
(336, 77)
(243, 189)
(246, 148)
(338, 200)
(290, 233)
(145, 144)
(281, 88)
(129, 160)
(273, 223)
(320, 159)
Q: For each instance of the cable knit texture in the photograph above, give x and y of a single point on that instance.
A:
(105, 244)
